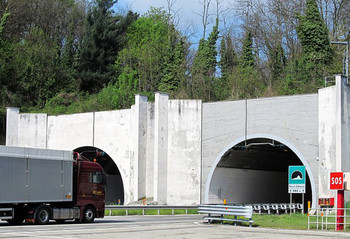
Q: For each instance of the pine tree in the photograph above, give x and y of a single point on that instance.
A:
(277, 62)
(105, 37)
(313, 35)
(228, 57)
(247, 57)
(247, 81)
(204, 66)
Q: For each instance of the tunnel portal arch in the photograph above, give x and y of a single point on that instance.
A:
(224, 157)
(115, 186)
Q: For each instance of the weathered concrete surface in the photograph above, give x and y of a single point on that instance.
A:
(12, 126)
(334, 133)
(292, 120)
(32, 124)
(161, 148)
(169, 150)
(327, 138)
(184, 152)
(69, 132)
(113, 127)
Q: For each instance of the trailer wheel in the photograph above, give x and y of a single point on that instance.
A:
(42, 215)
(89, 214)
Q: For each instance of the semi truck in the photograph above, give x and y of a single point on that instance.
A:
(39, 185)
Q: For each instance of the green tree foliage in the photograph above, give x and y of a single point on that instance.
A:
(174, 73)
(228, 57)
(156, 52)
(104, 38)
(247, 57)
(204, 66)
(36, 64)
(277, 63)
(313, 35)
(305, 73)
(246, 82)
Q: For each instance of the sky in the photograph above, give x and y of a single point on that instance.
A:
(187, 12)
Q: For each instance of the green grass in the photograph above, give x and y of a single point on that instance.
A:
(295, 221)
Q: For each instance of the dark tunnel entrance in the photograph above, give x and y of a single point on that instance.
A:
(255, 171)
(114, 188)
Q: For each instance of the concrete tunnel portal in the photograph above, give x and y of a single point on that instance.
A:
(114, 187)
(255, 171)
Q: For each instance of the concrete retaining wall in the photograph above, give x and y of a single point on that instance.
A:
(167, 151)
(291, 119)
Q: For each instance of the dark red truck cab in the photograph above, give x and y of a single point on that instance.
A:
(43, 185)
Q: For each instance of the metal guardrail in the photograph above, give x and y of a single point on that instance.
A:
(257, 208)
(147, 207)
(217, 212)
(326, 219)
(277, 208)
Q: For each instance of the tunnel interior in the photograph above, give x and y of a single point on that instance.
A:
(255, 171)
(114, 188)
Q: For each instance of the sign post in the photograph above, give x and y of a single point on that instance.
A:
(296, 181)
(337, 183)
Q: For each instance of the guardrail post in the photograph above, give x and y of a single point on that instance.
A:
(340, 211)
(173, 211)
(126, 212)
(186, 211)
(308, 218)
(110, 212)
(158, 212)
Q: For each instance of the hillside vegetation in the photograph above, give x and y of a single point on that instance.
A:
(66, 56)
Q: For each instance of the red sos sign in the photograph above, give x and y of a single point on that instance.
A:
(337, 180)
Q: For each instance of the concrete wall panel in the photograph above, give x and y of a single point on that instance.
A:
(12, 115)
(32, 130)
(112, 135)
(150, 151)
(68, 132)
(327, 138)
(222, 123)
(184, 152)
(293, 119)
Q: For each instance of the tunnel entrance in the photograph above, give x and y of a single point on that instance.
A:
(114, 188)
(255, 171)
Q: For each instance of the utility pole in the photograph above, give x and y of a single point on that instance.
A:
(346, 65)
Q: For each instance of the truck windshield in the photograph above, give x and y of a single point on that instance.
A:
(97, 177)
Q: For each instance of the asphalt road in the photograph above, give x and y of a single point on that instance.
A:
(164, 227)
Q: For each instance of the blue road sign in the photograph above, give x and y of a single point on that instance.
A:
(296, 179)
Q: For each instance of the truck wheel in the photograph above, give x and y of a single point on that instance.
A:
(89, 214)
(42, 215)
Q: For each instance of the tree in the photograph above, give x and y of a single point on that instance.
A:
(277, 63)
(156, 51)
(204, 65)
(247, 82)
(313, 35)
(174, 74)
(228, 58)
(105, 37)
(247, 57)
